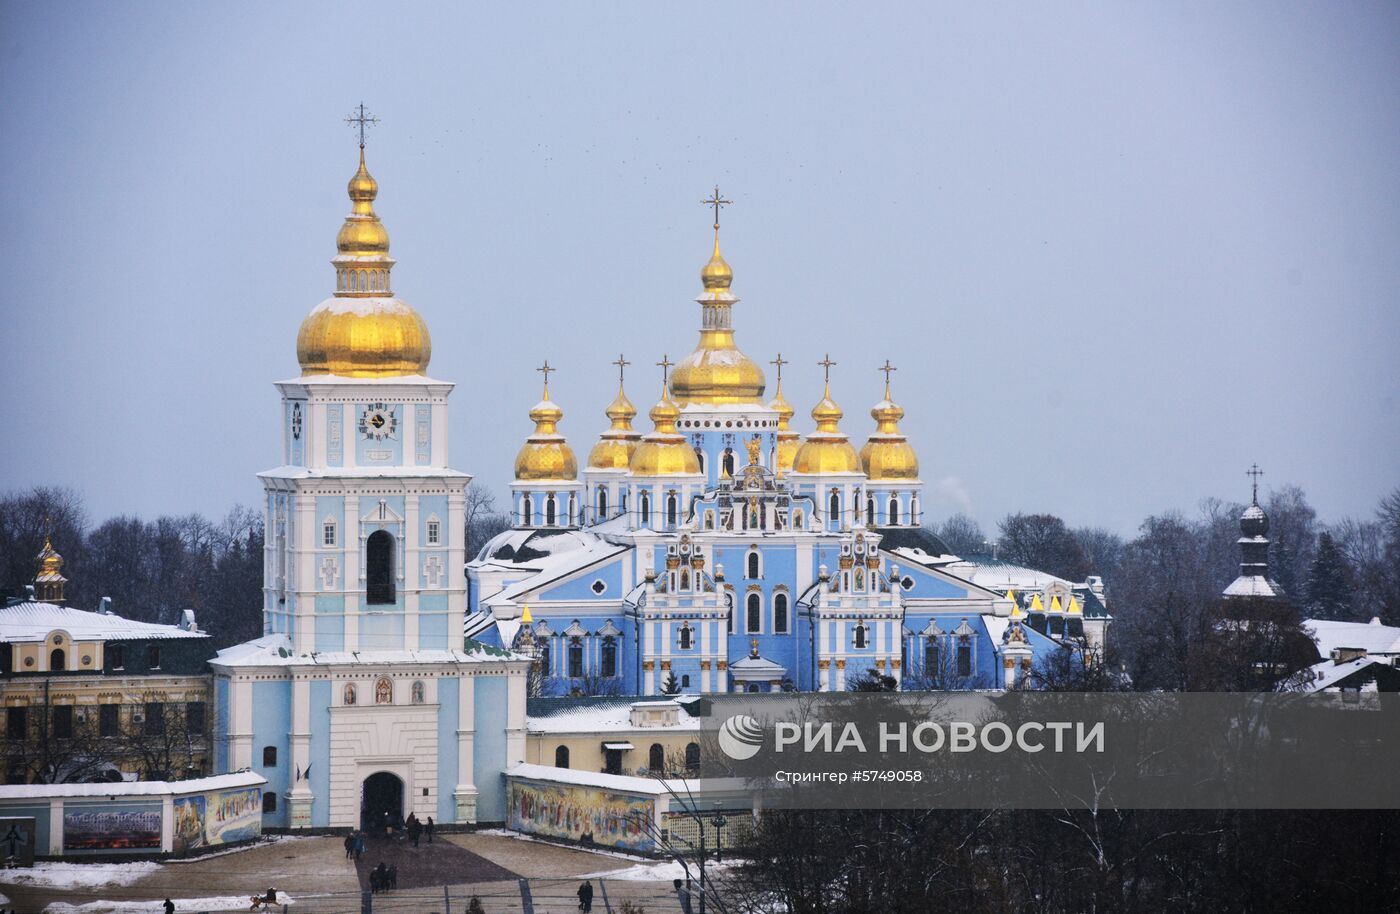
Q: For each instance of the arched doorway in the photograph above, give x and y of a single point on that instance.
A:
(381, 793)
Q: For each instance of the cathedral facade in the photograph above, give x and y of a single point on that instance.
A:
(723, 551)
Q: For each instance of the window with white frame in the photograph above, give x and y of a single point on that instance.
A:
(434, 532)
(328, 533)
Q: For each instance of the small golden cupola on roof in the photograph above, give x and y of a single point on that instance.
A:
(887, 454)
(546, 455)
(788, 440)
(826, 450)
(615, 446)
(717, 372)
(48, 583)
(363, 331)
(664, 452)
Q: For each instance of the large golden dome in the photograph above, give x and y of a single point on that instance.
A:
(616, 445)
(546, 455)
(717, 372)
(887, 454)
(826, 450)
(665, 452)
(363, 331)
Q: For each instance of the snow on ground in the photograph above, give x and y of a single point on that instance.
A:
(264, 841)
(210, 903)
(4, 899)
(57, 875)
(647, 872)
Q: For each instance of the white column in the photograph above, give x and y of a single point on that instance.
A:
(350, 571)
(515, 718)
(464, 794)
(411, 564)
(300, 797)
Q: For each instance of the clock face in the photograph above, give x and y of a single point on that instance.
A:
(296, 421)
(378, 421)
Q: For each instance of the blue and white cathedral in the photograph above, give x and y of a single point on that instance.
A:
(723, 551)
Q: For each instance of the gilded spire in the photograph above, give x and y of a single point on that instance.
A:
(546, 455)
(887, 454)
(614, 448)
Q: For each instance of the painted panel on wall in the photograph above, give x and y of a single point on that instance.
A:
(233, 815)
(111, 827)
(581, 814)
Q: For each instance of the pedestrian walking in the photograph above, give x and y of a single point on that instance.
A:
(169, 906)
(429, 829)
(585, 897)
(359, 845)
(393, 875)
(414, 830)
(349, 845)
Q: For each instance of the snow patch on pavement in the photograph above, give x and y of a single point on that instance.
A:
(211, 903)
(56, 875)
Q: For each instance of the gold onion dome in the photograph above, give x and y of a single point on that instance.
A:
(50, 562)
(664, 452)
(826, 450)
(616, 445)
(546, 456)
(788, 440)
(363, 331)
(887, 454)
(717, 372)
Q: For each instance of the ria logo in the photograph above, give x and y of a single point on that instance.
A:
(741, 737)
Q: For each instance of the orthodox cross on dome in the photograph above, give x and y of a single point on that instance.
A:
(361, 119)
(779, 362)
(716, 201)
(887, 368)
(621, 364)
(826, 364)
(665, 366)
(1255, 472)
(546, 370)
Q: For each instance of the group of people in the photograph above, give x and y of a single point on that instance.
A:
(416, 829)
(354, 845)
(383, 878)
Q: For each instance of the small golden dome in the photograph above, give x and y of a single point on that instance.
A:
(717, 372)
(664, 452)
(363, 331)
(887, 454)
(788, 440)
(546, 455)
(615, 446)
(826, 450)
(50, 562)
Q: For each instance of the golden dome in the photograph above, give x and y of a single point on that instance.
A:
(616, 445)
(826, 450)
(363, 331)
(788, 440)
(887, 454)
(546, 456)
(717, 372)
(50, 562)
(664, 452)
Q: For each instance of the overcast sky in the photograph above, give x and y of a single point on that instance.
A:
(1118, 251)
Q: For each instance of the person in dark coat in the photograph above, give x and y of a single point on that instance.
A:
(429, 829)
(379, 877)
(349, 845)
(169, 906)
(414, 830)
(585, 897)
(393, 875)
(359, 844)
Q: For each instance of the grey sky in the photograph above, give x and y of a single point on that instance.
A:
(1118, 251)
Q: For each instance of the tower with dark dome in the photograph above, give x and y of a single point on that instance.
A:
(1254, 580)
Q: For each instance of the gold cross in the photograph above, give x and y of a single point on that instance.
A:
(887, 368)
(826, 364)
(621, 364)
(716, 201)
(780, 362)
(665, 365)
(1256, 473)
(546, 369)
(361, 119)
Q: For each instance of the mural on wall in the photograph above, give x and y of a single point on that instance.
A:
(17, 841)
(188, 829)
(581, 814)
(233, 815)
(111, 829)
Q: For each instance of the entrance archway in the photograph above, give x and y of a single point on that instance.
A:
(381, 802)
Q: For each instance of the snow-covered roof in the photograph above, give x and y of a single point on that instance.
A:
(397, 472)
(755, 665)
(619, 782)
(1253, 585)
(556, 566)
(1327, 674)
(276, 650)
(132, 788)
(1000, 576)
(600, 716)
(33, 621)
(1372, 637)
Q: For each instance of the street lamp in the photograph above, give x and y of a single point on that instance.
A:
(719, 822)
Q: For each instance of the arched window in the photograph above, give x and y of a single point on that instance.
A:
(685, 579)
(685, 682)
(573, 509)
(379, 568)
(731, 618)
(575, 657)
(913, 509)
(870, 511)
(561, 757)
(549, 510)
(656, 758)
(964, 657)
(602, 503)
(670, 510)
(692, 757)
(687, 637)
(608, 657)
(544, 656)
(527, 511)
(931, 656)
(645, 503)
(834, 508)
(755, 613)
(419, 693)
(727, 463)
(780, 613)
(269, 756)
(700, 459)
(894, 510)
(797, 519)
(349, 694)
(860, 635)
(751, 566)
(58, 660)
(384, 691)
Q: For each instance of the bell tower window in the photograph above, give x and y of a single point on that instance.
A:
(527, 511)
(670, 511)
(894, 510)
(379, 568)
(645, 503)
(549, 511)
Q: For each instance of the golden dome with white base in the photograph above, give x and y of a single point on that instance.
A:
(887, 454)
